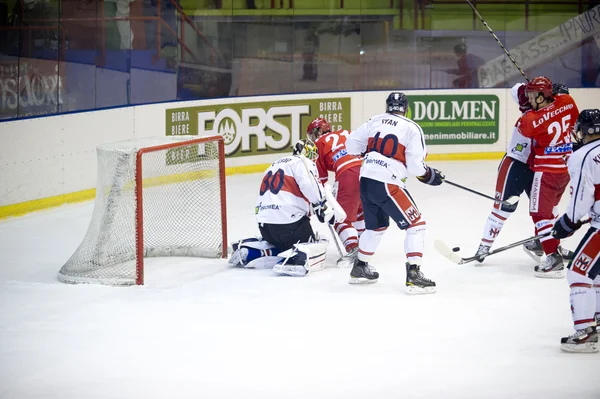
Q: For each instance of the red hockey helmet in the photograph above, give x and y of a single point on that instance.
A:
(541, 84)
(316, 128)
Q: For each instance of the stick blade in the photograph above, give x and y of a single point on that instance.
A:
(446, 252)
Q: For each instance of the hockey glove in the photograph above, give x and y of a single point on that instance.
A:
(324, 213)
(564, 227)
(433, 177)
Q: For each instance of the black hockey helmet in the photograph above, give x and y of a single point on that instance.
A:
(559, 88)
(396, 102)
(588, 122)
(460, 48)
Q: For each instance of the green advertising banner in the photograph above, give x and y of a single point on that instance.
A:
(258, 128)
(457, 119)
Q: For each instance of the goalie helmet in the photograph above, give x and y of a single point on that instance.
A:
(307, 148)
(317, 128)
(396, 102)
(541, 84)
(588, 122)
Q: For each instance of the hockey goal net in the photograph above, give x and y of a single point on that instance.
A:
(158, 196)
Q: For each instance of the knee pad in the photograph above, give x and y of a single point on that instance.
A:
(574, 278)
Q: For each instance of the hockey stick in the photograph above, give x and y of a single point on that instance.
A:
(455, 257)
(511, 201)
(498, 40)
(330, 198)
(338, 211)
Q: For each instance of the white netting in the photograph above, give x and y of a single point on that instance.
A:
(181, 199)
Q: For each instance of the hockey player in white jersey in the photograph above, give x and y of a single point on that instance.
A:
(394, 148)
(290, 189)
(583, 272)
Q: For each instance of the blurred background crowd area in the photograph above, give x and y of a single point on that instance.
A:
(61, 56)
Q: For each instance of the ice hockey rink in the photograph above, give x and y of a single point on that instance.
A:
(201, 329)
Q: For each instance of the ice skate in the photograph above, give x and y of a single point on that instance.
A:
(534, 250)
(566, 254)
(482, 252)
(583, 341)
(362, 273)
(416, 282)
(552, 267)
(349, 259)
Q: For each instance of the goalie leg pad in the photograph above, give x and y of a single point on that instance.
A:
(248, 250)
(302, 259)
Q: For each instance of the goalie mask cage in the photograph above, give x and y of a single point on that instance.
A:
(157, 196)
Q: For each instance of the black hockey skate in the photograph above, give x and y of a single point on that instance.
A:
(566, 254)
(534, 250)
(583, 341)
(482, 252)
(362, 273)
(416, 282)
(552, 267)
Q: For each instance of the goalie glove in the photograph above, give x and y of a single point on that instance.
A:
(433, 177)
(324, 213)
(564, 227)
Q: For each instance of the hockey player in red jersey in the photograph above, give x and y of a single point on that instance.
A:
(515, 178)
(583, 272)
(548, 125)
(333, 157)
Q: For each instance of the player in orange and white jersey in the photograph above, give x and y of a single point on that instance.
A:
(548, 125)
(394, 148)
(333, 157)
(583, 272)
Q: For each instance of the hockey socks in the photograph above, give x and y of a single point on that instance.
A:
(493, 226)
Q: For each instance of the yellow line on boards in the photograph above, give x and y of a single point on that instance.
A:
(26, 207)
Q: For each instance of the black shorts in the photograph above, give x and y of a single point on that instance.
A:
(514, 178)
(284, 236)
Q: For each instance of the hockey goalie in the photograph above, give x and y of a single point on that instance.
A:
(289, 192)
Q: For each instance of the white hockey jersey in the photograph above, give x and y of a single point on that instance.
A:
(519, 146)
(287, 190)
(584, 170)
(394, 147)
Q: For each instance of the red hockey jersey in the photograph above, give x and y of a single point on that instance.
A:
(550, 131)
(333, 156)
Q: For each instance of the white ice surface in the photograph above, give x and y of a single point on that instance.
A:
(200, 329)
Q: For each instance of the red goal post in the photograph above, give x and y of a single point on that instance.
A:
(155, 197)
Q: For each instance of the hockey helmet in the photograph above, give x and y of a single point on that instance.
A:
(541, 84)
(396, 102)
(316, 128)
(559, 88)
(307, 148)
(460, 48)
(588, 122)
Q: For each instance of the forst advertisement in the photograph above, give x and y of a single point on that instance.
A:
(257, 128)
